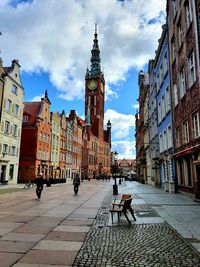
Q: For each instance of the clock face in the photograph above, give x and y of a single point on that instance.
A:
(102, 87)
(92, 85)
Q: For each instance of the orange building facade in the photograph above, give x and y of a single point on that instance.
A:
(35, 140)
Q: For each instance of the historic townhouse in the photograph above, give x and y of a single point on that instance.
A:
(63, 145)
(55, 145)
(78, 128)
(164, 118)
(184, 68)
(143, 82)
(1, 87)
(154, 178)
(69, 149)
(12, 97)
(35, 145)
(98, 141)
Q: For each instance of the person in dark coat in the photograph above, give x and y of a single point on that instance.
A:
(76, 184)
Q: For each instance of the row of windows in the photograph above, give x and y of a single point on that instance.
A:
(185, 129)
(182, 84)
(162, 72)
(11, 150)
(12, 107)
(164, 105)
(10, 129)
(165, 139)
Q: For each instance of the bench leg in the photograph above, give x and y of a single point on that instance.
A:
(112, 216)
(132, 213)
(127, 217)
(118, 214)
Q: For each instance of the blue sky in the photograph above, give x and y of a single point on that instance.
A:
(53, 42)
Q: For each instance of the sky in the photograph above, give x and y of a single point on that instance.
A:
(52, 39)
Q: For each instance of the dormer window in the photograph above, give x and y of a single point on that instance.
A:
(25, 118)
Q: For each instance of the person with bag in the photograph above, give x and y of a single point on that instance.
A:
(76, 184)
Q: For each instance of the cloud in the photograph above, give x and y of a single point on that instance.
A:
(135, 106)
(122, 124)
(56, 37)
(125, 149)
(36, 98)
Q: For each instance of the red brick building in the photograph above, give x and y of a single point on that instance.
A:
(63, 144)
(185, 84)
(97, 143)
(35, 140)
(141, 165)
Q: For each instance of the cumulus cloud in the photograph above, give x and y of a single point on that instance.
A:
(56, 37)
(125, 149)
(122, 124)
(36, 98)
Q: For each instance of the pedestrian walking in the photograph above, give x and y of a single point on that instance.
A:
(76, 183)
(39, 185)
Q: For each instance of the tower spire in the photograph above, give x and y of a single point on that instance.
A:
(95, 67)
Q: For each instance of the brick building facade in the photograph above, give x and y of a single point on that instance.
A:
(185, 84)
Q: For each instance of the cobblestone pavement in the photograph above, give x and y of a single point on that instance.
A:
(156, 245)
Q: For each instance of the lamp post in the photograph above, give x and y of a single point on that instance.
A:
(115, 187)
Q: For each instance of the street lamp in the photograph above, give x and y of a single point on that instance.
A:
(115, 187)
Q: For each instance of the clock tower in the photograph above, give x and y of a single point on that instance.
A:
(94, 92)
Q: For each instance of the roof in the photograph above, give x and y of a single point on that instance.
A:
(6, 70)
(32, 109)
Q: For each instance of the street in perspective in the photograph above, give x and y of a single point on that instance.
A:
(100, 133)
(63, 229)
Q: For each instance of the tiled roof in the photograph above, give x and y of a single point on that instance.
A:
(6, 70)
(32, 109)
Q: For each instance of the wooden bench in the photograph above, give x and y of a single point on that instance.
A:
(122, 207)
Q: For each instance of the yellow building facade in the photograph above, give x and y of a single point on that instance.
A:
(11, 123)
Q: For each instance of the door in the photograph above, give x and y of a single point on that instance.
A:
(3, 173)
(197, 191)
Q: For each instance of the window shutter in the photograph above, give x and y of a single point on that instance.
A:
(13, 107)
(4, 103)
(11, 129)
(2, 126)
(0, 148)
(8, 151)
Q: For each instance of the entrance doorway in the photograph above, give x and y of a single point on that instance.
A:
(197, 194)
(3, 173)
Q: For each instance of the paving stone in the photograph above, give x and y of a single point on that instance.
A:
(57, 257)
(8, 259)
(21, 247)
(66, 236)
(71, 228)
(58, 245)
(22, 237)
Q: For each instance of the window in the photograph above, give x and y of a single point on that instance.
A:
(165, 67)
(161, 143)
(175, 94)
(16, 110)
(13, 150)
(185, 132)
(5, 149)
(191, 69)
(159, 112)
(39, 154)
(178, 137)
(182, 82)
(45, 120)
(40, 136)
(173, 50)
(43, 155)
(163, 107)
(174, 7)
(25, 118)
(188, 13)
(11, 171)
(161, 75)
(15, 130)
(7, 127)
(165, 140)
(195, 124)
(45, 137)
(167, 100)
(180, 34)
(169, 134)
(14, 89)
(8, 105)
